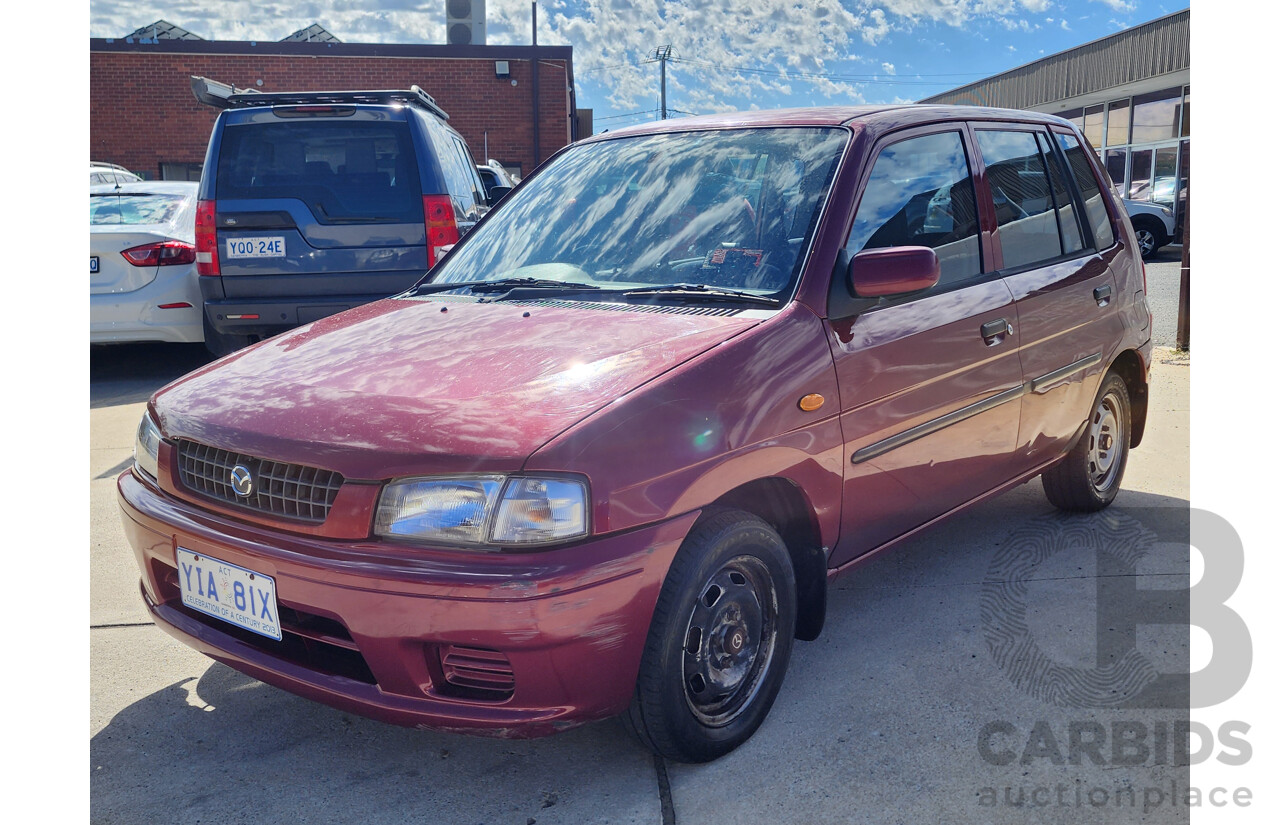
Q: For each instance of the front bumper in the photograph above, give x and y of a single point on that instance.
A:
(370, 628)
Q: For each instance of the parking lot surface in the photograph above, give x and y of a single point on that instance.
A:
(903, 711)
(1164, 273)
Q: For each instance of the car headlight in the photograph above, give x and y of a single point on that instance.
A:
(146, 447)
(484, 510)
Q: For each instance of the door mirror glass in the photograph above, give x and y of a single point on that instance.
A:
(877, 273)
(497, 193)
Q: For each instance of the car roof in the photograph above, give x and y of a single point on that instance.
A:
(148, 187)
(877, 115)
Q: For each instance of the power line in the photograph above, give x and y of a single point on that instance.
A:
(628, 114)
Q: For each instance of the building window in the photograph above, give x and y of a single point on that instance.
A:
(1093, 117)
(1115, 163)
(1186, 112)
(1155, 116)
(1118, 123)
(180, 171)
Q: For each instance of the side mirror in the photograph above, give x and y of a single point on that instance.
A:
(497, 193)
(878, 273)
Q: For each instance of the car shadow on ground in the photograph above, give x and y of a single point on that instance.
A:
(878, 718)
(129, 373)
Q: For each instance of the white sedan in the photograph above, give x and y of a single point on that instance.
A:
(143, 284)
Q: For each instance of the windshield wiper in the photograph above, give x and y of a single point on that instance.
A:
(703, 292)
(503, 285)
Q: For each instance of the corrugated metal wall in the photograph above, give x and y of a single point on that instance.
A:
(1159, 47)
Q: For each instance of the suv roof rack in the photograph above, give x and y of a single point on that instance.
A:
(223, 96)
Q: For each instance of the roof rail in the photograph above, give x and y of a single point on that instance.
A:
(233, 98)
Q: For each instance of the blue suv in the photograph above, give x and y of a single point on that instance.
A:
(314, 202)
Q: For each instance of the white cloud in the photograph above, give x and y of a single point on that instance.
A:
(888, 68)
(1118, 5)
(876, 28)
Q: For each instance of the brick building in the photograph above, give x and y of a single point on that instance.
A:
(144, 116)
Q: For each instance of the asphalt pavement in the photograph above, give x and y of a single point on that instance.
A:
(907, 709)
(1164, 273)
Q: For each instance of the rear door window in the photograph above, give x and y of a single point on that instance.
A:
(346, 172)
(1024, 200)
(920, 193)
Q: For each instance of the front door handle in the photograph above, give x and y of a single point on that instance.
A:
(1102, 295)
(993, 332)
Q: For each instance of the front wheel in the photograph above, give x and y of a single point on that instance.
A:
(1150, 238)
(1089, 477)
(720, 640)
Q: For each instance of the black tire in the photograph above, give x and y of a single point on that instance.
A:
(730, 595)
(221, 343)
(1089, 477)
(1150, 235)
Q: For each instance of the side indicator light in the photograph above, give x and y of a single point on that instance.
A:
(812, 402)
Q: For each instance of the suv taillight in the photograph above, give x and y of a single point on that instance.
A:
(162, 253)
(207, 238)
(442, 229)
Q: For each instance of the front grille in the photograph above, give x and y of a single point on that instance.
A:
(291, 491)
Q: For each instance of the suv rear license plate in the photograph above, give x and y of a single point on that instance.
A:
(225, 591)
(255, 247)
(93, 264)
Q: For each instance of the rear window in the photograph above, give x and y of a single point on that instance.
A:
(134, 209)
(345, 172)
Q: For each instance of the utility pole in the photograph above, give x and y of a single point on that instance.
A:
(663, 55)
(537, 110)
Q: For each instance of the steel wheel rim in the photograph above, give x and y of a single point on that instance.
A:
(1105, 443)
(1146, 241)
(729, 641)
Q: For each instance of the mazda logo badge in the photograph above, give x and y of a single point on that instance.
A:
(241, 480)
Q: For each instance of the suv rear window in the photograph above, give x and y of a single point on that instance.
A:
(345, 172)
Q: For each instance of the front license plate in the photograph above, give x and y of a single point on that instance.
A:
(225, 591)
(255, 248)
(93, 264)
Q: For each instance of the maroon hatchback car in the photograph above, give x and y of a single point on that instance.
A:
(607, 457)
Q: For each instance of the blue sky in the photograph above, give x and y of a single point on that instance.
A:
(728, 54)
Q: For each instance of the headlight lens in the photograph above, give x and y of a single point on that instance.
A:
(491, 509)
(538, 510)
(146, 447)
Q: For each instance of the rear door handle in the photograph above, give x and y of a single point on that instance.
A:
(1102, 295)
(993, 332)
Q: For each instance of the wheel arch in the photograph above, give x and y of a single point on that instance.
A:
(1129, 366)
(1152, 223)
(782, 504)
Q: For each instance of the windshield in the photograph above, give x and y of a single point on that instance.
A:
(732, 209)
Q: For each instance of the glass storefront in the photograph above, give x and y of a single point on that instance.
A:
(1144, 143)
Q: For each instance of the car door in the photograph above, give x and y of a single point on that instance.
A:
(1047, 247)
(929, 382)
